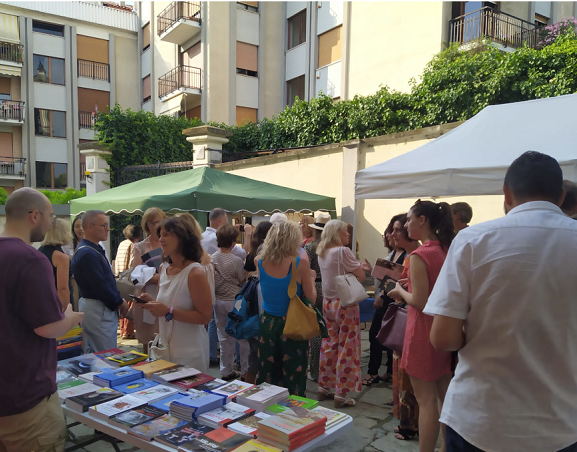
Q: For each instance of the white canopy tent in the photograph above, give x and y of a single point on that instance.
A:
(473, 158)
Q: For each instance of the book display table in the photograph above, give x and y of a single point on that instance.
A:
(328, 437)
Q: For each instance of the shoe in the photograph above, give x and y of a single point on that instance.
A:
(236, 367)
(232, 376)
(214, 362)
(342, 402)
(323, 394)
(371, 380)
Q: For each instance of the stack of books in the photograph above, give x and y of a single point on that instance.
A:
(125, 359)
(136, 417)
(289, 432)
(63, 375)
(116, 377)
(82, 403)
(110, 352)
(184, 384)
(196, 403)
(183, 435)
(155, 393)
(225, 415)
(254, 445)
(83, 364)
(218, 440)
(74, 388)
(167, 376)
(334, 418)
(148, 368)
(89, 377)
(164, 404)
(158, 426)
(232, 389)
(248, 426)
(135, 386)
(262, 396)
(211, 385)
(73, 338)
(291, 402)
(109, 409)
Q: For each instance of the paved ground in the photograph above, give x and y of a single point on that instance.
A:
(373, 425)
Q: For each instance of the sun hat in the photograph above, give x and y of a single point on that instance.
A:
(320, 221)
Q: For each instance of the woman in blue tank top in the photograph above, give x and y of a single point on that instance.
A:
(282, 361)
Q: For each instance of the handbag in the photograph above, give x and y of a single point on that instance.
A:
(243, 320)
(124, 284)
(349, 290)
(157, 350)
(301, 319)
(392, 332)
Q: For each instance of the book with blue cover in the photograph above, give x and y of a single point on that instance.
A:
(135, 386)
(117, 377)
(164, 404)
(194, 404)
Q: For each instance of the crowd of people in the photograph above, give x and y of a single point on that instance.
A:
(498, 292)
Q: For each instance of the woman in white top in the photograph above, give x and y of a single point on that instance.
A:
(184, 302)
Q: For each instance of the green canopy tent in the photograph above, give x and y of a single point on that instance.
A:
(201, 190)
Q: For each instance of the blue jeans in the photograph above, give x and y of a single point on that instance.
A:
(212, 338)
(99, 325)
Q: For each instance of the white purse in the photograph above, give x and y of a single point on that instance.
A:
(349, 290)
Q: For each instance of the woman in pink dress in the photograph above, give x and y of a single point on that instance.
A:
(429, 369)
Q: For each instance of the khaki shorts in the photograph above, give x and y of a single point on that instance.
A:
(40, 429)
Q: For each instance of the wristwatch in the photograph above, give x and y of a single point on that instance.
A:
(170, 315)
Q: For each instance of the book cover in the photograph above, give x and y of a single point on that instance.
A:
(211, 385)
(233, 388)
(175, 373)
(333, 417)
(191, 382)
(78, 366)
(74, 388)
(294, 443)
(290, 426)
(135, 386)
(117, 406)
(226, 414)
(84, 401)
(155, 393)
(255, 445)
(220, 439)
(125, 359)
(118, 376)
(89, 377)
(262, 392)
(136, 416)
(388, 272)
(248, 426)
(164, 404)
(182, 435)
(63, 375)
(110, 352)
(155, 427)
(291, 402)
(154, 366)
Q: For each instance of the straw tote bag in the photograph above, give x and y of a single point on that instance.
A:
(349, 290)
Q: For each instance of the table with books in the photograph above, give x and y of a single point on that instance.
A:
(161, 406)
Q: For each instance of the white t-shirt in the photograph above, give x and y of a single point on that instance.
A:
(330, 268)
(209, 245)
(514, 282)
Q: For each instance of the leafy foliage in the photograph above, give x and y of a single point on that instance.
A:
(55, 197)
(3, 196)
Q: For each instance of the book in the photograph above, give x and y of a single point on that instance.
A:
(161, 425)
(333, 417)
(125, 359)
(110, 352)
(89, 376)
(286, 426)
(387, 272)
(135, 386)
(184, 384)
(153, 258)
(76, 331)
(248, 426)
(69, 340)
(136, 416)
(155, 393)
(261, 396)
(74, 388)
(232, 389)
(117, 377)
(69, 345)
(164, 404)
(194, 404)
(148, 368)
(83, 364)
(174, 373)
(108, 409)
(254, 445)
(293, 444)
(225, 415)
(210, 385)
(218, 440)
(82, 403)
(183, 435)
(63, 375)
(290, 402)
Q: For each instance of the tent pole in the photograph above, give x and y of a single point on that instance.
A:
(355, 222)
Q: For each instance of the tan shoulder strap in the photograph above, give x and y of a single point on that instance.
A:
(292, 288)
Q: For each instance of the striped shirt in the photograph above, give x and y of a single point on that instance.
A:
(229, 275)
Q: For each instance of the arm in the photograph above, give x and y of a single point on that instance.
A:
(307, 280)
(136, 258)
(419, 285)
(61, 327)
(352, 265)
(62, 263)
(447, 333)
(247, 237)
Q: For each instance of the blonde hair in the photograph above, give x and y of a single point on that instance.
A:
(150, 213)
(284, 239)
(308, 220)
(330, 236)
(58, 233)
(193, 223)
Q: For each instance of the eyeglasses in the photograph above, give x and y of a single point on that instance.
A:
(152, 223)
(103, 225)
(52, 217)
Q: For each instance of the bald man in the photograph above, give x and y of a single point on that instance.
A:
(31, 417)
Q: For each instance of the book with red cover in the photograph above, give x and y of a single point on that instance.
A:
(106, 353)
(294, 443)
(219, 440)
(184, 384)
(285, 427)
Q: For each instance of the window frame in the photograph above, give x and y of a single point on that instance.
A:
(302, 15)
(49, 69)
(34, 21)
(244, 6)
(246, 72)
(301, 79)
(144, 49)
(52, 178)
(51, 124)
(149, 98)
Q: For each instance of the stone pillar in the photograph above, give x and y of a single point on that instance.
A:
(207, 144)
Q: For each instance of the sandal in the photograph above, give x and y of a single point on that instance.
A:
(323, 394)
(386, 378)
(405, 434)
(342, 402)
(371, 381)
(233, 376)
(390, 402)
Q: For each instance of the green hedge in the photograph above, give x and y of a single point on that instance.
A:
(55, 196)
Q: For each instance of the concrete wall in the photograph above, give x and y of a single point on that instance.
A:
(270, 59)
(328, 79)
(247, 26)
(127, 77)
(522, 10)
(330, 15)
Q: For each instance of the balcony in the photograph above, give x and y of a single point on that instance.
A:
(499, 27)
(11, 52)
(86, 119)
(94, 70)
(179, 22)
(12, 112)
(12, 168)
(182, 79)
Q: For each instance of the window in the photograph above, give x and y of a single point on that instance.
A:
(48, 70)
(540, 20)
(330, 47)
(146, 89)
(297, 29)
(294, 88)
(50, 123)
(249, 6)
(146, 37)
(246, 59)
(49, 29)
(51, 175)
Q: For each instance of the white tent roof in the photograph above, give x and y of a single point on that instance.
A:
(472, 159)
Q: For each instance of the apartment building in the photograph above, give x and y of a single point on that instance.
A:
(60, 63)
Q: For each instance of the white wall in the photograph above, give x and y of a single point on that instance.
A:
(296, 61)
(146, 62)
(86, 134)
(43, 44)
(51, 97)
(51, 149)
(247, 26)
(100, 33)
(147, 106)
(543, 8)
(246, 91)
(330, 15)
(294, 7)
(101, 85)
(145, 13)
(328, 80)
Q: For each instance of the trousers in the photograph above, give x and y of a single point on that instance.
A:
(227, 343)
(100, 325)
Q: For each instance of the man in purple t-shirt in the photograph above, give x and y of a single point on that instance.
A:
(31, 417)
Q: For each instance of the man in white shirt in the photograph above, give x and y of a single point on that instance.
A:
(505, 299)
(216, 218)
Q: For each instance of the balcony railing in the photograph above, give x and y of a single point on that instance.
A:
(495, 25)
(94, 70)
(177, 11)
(12, 166)
(179, 77)
(12, 110)
(12, 52)
(86, 119)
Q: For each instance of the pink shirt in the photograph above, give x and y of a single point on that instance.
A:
(329, 265)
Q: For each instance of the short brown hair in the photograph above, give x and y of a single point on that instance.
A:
(150, 213)
(188, 242)
(226, 235)
(132, 231)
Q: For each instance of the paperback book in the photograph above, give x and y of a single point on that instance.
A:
(232, 389)
(261, 396)
(125, 359)
(136, 416)
(248, 426)
(225, 415)
(388, 273)
(211, 385)
(148, 368)
(284, 427)
(333, 417)
(155, 427)
(63, 375)
(164, 404)
(83, 402)
(110, 352)
(254, 445)
(155, 393)
(219, 440)
(291, 402)
(195, 404)
(74, 388)
(174, 373)
(136, 386)
(184, 384)
(109, 409)
(89, 377)
(117, 377)
(182, 435)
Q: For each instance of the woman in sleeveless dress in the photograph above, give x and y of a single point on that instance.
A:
(429, 369)
(184, 302)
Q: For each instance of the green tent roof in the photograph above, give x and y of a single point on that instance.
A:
(201, 189)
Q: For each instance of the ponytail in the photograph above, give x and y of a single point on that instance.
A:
(440, 218)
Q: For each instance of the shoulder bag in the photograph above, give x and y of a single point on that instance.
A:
(158, 350)
(392, 332)
(349, 290)
(301, 320)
